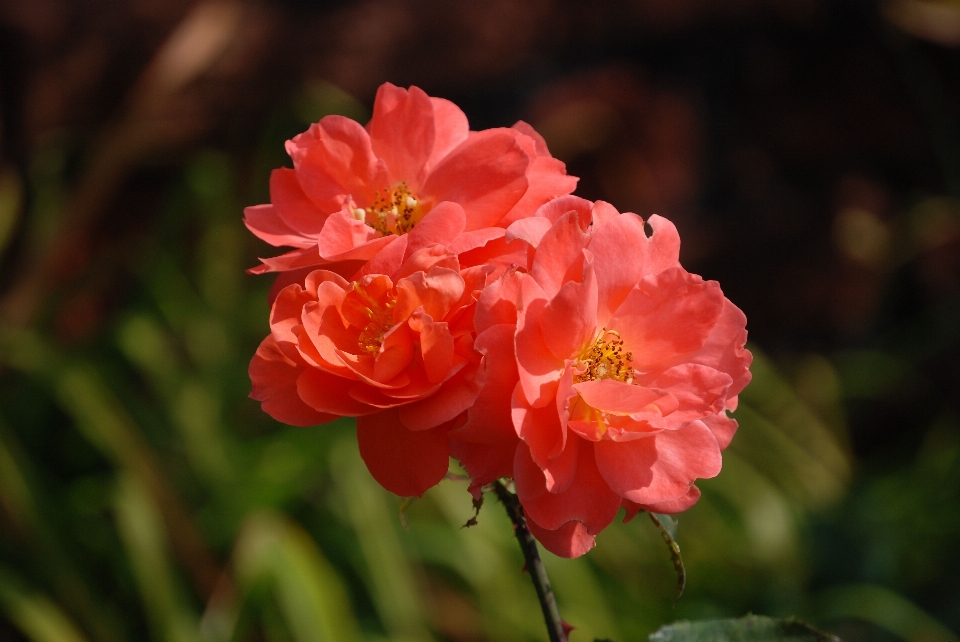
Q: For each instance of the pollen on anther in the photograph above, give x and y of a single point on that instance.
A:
(605, 359)
(395, 210)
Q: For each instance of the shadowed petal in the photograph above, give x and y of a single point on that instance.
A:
(403, 461)
(440, 226)
(569, 320)
(455, 396)
(585, 498)
(539, 369)
(328, 392)
(570, 540)
(294, 207)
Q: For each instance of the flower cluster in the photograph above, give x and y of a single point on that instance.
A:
(448, 291)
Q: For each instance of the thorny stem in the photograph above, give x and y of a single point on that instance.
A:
(555, 625)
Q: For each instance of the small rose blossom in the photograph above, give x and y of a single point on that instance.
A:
(394, 350)
(415, 175)
(617, 367)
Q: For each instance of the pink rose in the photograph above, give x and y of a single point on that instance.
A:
(415, 175)
(616, 366)
(394, 350)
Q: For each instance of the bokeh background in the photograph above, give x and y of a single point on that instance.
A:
(808, 151)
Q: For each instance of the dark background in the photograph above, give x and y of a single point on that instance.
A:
(807, 150)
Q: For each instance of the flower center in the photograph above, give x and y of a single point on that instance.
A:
(605, 359)
(395, 210)
(380, 315)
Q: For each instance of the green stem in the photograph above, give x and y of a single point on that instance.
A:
(555, 625)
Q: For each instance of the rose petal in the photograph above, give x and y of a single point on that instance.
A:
(326, 392)
(274, 378)
(294, 207)
(485, 174)
(570, 540)
(660, 467)
(560, 250)
(569, 320)
(334, 159)
(667, 315)
(403, 461)
(441, 225)
(265, 224)
(402, 132)
(586, 497)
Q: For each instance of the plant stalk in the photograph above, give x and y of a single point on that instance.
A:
(528, 545)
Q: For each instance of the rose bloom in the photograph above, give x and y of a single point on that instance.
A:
(609, 371)
(394, 350)
(415, 171)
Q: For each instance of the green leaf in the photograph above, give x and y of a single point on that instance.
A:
(752, 628)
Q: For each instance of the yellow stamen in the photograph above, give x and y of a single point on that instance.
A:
(381, 320)
(605, 359)
(394, 211)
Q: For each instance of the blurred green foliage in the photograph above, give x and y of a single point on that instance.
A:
(145, 497)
